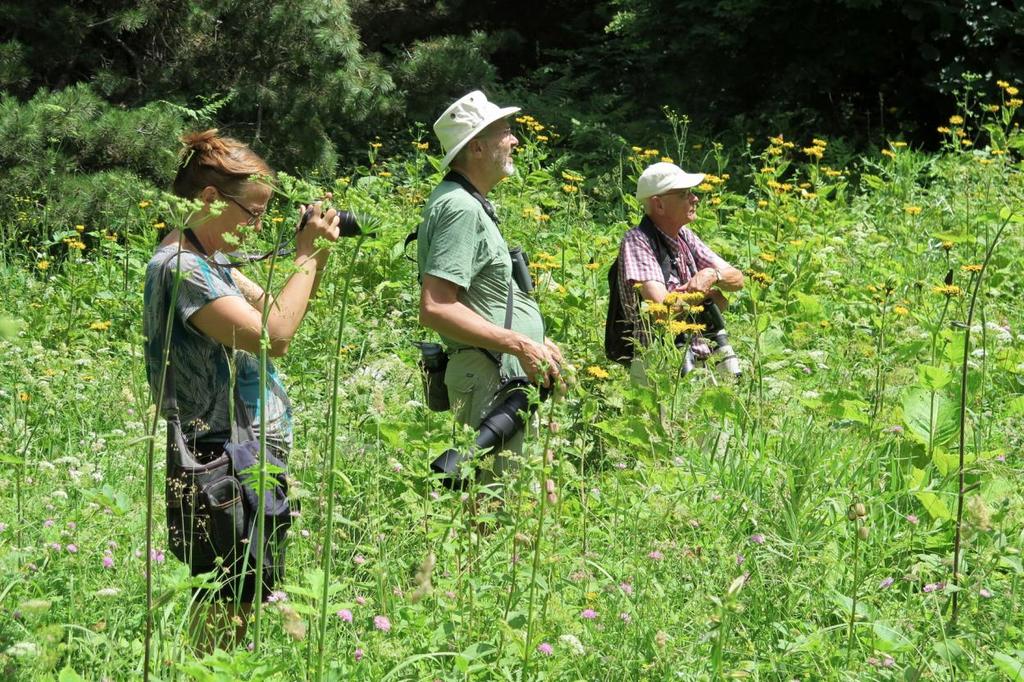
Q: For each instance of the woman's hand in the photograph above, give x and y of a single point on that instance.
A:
(320, 224)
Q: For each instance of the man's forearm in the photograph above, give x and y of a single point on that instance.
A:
(460, 323)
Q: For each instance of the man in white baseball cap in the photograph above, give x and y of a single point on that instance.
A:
(670, 204)
(491, 327)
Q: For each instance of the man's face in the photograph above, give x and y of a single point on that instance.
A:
(679, 206)
(498, 141)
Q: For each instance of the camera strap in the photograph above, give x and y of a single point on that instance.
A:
(242, 258)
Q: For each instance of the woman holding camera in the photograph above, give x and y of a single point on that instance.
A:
(216, 327)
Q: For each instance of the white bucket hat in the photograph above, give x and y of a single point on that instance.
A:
(663, 177)
(464, 120)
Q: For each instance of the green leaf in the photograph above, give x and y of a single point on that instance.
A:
(889, 640)
(932, 378)
(931, 418)
(949, 650)
(1011, 666)
(932, 503)
(69, 675)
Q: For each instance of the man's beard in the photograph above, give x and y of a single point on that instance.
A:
(505, 163)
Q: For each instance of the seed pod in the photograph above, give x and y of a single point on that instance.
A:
(863, 532)
(550, 485)
(851, 513)
(860, 509)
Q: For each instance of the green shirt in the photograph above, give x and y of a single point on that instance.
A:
(458, 242)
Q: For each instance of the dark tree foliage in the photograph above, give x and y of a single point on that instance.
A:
(293, 69)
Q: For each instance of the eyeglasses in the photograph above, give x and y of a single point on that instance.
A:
(253, 216)
(685, 194)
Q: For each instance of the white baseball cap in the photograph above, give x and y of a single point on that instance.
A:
(662, 177)
(464, 120)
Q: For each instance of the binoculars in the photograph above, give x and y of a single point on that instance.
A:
(714, 331)
(498, 427)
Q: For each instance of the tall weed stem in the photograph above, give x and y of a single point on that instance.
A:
(961, 492)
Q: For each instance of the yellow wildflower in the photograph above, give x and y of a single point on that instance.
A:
(667, 159)
(819, 142)
(974, 267)
(767, 257)
(570, 189)
(23, 396)
(376, 145)
(759, 277)
(384, 174)
(76, 244)
(966, 143)
(762, 203)
(901, 310)
(889, 153)
(956, 120)
(423, 146)
(543, 218)
(277, 219)
(1002, 84)
(651, 152)
(678, 327)
(948, 290)
(597, 372)
(542, 138)
(993, 108)
(159, 226)
(768, 170)
(637, 150)
(43, 264)
(943, 129)
(796, 242)
(947, 245)
(79, 229)
(705, 187)
(1014, 103)
(814, 152)
(592, 266)
(144, 204)
(654, 308)
(912, 210)
(715, 201)
(100, 326)
(572, 177)
(1011, 91)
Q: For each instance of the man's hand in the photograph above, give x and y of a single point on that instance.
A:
(540, 361)
(702, 281)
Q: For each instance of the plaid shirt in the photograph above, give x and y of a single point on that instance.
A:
(638, 263)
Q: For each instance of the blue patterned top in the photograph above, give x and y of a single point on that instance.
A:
(201, 365)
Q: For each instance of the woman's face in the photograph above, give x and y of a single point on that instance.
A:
(246, 208)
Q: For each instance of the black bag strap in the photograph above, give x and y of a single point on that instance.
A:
(241, 427)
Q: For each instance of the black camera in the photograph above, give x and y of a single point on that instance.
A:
(714, 331)
(499, 426)
(348, 226)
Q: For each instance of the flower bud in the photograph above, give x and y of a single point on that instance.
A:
(863, 532)
(851, 514)
(860, 509)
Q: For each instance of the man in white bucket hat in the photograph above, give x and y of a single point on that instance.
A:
(666, 192)
(490, 326)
